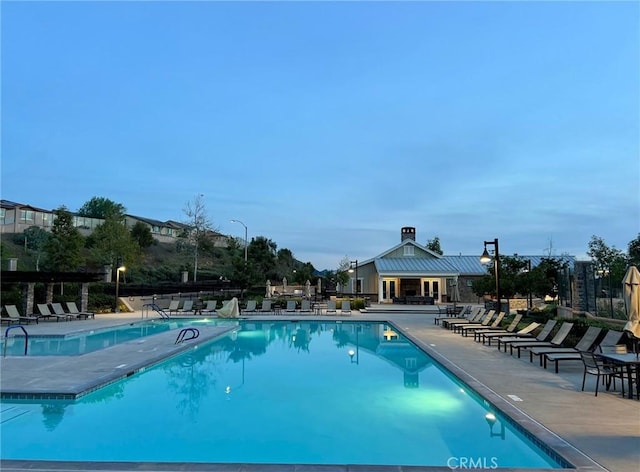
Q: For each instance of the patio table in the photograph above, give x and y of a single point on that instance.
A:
(631, 361)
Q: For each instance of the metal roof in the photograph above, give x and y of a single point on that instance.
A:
(414, 264)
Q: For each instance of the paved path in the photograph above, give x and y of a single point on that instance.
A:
(604, 428)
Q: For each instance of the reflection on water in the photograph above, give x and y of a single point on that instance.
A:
(278, 392)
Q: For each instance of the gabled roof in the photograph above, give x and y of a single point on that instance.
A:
(409, 242)
(149, 221)
(11, 205)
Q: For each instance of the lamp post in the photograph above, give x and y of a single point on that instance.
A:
(529, 299)
(486, 258)
(120, 268)
(245, 237)
(356, 274)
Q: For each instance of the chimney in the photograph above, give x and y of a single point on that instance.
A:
(408, 232)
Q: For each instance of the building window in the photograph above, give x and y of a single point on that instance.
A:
(409, 251)
(3, 215)
(47, 218)
(156, 229)
(470, 282)
(26, 216)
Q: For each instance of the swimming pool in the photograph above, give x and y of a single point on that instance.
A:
(94, 340)
(279, 392)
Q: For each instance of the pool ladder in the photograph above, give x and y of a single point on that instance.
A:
(192, 333)
(26, 339)
(157, 309)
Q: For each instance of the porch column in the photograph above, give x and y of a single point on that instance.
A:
(380, 290)
(49, 295)
(84, 297)
(28, 291)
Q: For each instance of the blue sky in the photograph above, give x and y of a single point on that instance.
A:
(328, 126)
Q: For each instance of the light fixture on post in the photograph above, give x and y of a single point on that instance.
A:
(354, 264)
(491, 421)
(120, 268)
(485, 258)
(245, 237)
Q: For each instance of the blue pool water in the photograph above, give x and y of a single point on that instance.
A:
(278, 392)
(90, 341)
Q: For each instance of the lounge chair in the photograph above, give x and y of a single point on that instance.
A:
(14, 315)
(45, 313)
(266, 306)
(251, 306)
(584, 344)
(524, 333)
(187, 307)
(173, 306)
(556, 341)
(305, 306)
(345, 307)
(58, 310)
(456, 326)
(73, 309)
(478, 334)
(465, 329)
(209, 306)
(460, 314)
(331, 307)
(609, 341)
(291, 306)
(477, 318)
(545, 332)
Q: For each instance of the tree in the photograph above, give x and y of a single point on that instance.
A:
(634, 252)
(199, 225)
(64, 247)
(607, 261)
(142, 235)
(262, 258)
(111, 242)
(101, 207)
(434, 245)
(35, 239)
(342, 271)
(510, 269)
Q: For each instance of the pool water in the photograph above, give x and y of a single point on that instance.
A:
(278, 392)
(90, 341)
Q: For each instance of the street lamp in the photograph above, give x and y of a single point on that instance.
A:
(120, 268)
(528, 271)
(356, 274)
(245, 237)
(485, 258)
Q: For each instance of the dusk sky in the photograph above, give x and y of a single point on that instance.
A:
(328, 126)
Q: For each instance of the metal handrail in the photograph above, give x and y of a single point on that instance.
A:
(183, 333)
(157, 309)
(26, 339)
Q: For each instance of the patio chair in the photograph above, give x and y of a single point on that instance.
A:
(585, 343)
(594, 365)
(291, 306)
(73, 309)
(556, 341)
(58, 310)
(331, 307)
(14, 315)
(305, 306)
(45, 313)
(485, 319)
(345, 307)
(544, 333)
(609, 342)
(465, 329)
(173, 306)
(478, 334)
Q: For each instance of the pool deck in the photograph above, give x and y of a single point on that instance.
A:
(595, 433)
